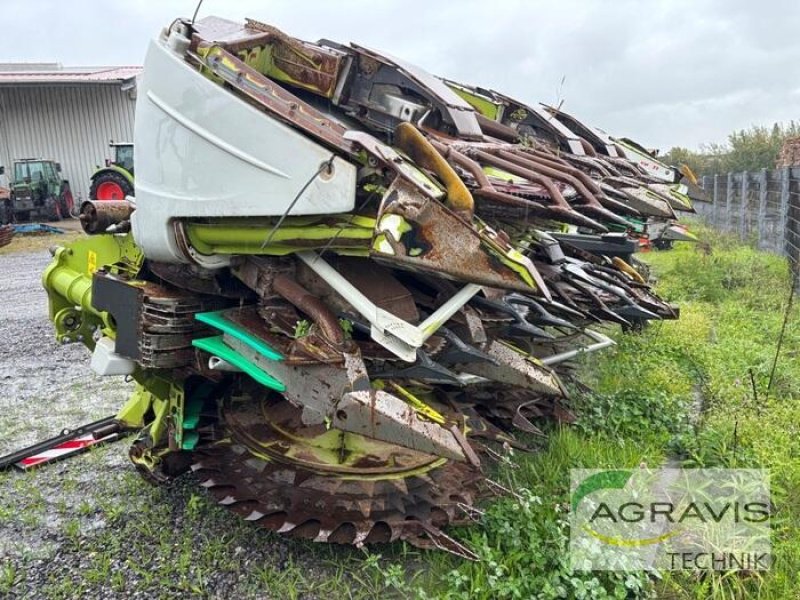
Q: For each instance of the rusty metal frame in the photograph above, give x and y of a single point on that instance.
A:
(270, 96)
(601, 341)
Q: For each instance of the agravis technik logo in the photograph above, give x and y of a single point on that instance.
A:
(696, 519)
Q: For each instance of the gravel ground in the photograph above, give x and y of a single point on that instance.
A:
(45, 386)
(89, 525)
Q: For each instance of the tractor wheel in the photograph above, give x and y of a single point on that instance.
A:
(110, 186)
(661, 244)
(66, 201)
(52, 209)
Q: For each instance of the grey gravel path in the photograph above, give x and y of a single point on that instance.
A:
(44, 386)
(89, 526)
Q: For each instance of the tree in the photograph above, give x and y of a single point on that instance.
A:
(755, 148)
(678, 156)
(747, 149)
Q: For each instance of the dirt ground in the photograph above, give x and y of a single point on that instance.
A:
(45, 386)
(90, 525)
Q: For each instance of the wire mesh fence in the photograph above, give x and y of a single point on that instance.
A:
(762, 207)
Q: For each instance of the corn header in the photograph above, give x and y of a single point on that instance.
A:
(342, 280)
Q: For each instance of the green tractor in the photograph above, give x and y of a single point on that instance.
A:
(37, 192)
(115, 180)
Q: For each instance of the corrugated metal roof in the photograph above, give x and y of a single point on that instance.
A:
(22, 73)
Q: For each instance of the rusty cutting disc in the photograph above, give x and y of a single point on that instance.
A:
(328, 485)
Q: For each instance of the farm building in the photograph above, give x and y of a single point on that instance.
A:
(67, 114)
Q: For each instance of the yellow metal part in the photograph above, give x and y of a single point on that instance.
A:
(247, 236)
(276, 58)
(292, 61)
(485, 106)
(395, 226)
(503, 175)
(411, 141)
(512, 258)
(627, 269)
(131, 415)
(68, 282)
(418, 405)
(688, 173)
(163, 398)
(685, 203)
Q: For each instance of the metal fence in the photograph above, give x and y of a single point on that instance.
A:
(762, 207)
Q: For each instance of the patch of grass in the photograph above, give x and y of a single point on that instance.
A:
(522, 539)
(743, 294)
(29, 243)
(173, 541)
(9, 577)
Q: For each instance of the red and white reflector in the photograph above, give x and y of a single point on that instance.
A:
(64, 449)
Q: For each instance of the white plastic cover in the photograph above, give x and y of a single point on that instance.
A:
(203, 152)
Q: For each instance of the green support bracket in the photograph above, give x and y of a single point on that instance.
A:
(193, 406)
(217, 347)
(190, 439)
(217, 320)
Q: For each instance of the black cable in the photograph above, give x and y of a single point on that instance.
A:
(783, 329)
(196, 10)
(327, 165)
(330, 242)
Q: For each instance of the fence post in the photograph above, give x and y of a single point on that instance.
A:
(793, 226)
(705, 211)
(785, 210)
(762, 207)
(744, 206)
(715, 204)
(728, 202)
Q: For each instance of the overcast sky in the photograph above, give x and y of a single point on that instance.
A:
(664, 73)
